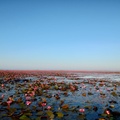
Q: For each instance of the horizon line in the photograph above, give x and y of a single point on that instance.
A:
(60, 70)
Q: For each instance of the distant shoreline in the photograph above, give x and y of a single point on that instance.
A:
(73, 71)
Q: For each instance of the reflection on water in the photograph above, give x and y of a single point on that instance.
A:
(93, 90)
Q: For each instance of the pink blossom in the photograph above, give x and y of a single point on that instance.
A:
(108, 112)
(2, 96)
(108, 89)
(72, 88)
(33, 92)
(28, 98)
(49, 107)
(83, 86)
(9, 102)
(97, 90)
(35, 88)
(28, 102)
(43, 104)
(81, 110)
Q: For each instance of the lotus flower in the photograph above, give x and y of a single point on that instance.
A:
(28, 98)
(35, 88)
(28, 102)
(2, 85)
(49, 107)
(32, 94)
(107, 112)
(82, 110)
(43, 104)
(9, 102)
(2, 96)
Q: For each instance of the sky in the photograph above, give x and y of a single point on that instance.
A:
(60, 35)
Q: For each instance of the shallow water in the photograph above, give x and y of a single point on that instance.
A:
(73, 99)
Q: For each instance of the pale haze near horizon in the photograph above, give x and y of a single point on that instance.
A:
(60, 35)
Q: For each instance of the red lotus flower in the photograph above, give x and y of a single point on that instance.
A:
(35, 88)
(43, 104)
(28, 102)
(2, 85)
(107, 112)
(49, 107)
(82, 110)
(9, 102)
(28, 98)
(2, 96)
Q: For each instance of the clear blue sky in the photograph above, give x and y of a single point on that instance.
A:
(60, 34)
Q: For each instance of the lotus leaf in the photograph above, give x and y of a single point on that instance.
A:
(60, 115)
(24, 117)
(65, 106)
(114, 94)
(84, 94)
(50, 114)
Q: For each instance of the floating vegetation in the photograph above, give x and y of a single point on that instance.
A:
(28, 95)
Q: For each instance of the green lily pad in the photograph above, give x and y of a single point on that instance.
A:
(111, 118)
(114, 94)
(81, 117)
(38, 118)
(24, 117)
(40, 113)
(50, 114)
(3, 115)
(60, 115)
(12, 109)
(28, 114)
(22, 105)
(104, 115)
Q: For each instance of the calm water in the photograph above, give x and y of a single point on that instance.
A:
(74, 99)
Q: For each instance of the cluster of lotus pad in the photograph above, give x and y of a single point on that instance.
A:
(49, 98)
